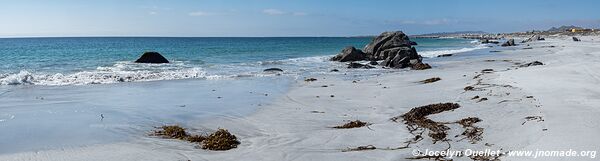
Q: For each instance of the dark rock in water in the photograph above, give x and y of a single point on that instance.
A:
(510, 42)
(444, 55)
(273, 70)
(533, 38)
(349, 54)
(373, 63)
(495, 51)
(413, 43)
(335, 70)
(534, 63)
(576, 39)
(152, 57)
(359, 65)
(528, 48)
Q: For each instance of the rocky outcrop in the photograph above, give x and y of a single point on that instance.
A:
(349, 54)
(576, 39)
(394, 48)
(533, 38)
(152, 57)
(488, 41)
(510, 42)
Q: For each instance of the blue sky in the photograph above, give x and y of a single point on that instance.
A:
(285, 17)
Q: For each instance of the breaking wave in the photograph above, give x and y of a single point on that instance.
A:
(119, 72)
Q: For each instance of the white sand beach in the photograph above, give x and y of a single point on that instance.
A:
(554, 107)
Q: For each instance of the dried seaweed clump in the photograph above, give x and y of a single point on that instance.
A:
(220, 140)
(417, 118)
(469, 121)
(431, 80)
(472, 132)
(352, 124)
(172, 132)
(419, 113)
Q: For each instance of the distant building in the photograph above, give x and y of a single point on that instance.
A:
(582, 30)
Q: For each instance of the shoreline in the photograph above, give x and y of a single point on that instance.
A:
(298, 125)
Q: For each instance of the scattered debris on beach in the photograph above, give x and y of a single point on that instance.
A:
(219, 140)
(469, 88)
(431, 80)
(360, 148)
(482, 99)
(533, 118)
(534, 63)
(310, 79)
(487, 70)
(352, 124)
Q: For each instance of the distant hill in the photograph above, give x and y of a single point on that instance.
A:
(563, 28)
(442, 34)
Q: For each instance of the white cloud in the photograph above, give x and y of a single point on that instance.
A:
(443, 21)
(437, 22)
(152, 13)
(300, 14)
(200, 13)
(273, 12)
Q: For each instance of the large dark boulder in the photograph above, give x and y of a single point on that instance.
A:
(349, 54)
(576, 39)
(510, 42)
(152, 57)
(395, 49)
(385, 41)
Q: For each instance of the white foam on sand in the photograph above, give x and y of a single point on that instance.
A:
(435, 53)
(297, 126)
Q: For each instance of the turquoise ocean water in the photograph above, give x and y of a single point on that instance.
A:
(77, 61)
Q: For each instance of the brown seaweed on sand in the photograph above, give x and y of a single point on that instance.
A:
(472, 132)
(352, 124)
(171, 132)
(431, 80)
(220, 140)
(416, 118)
